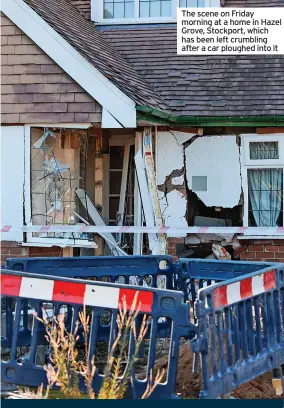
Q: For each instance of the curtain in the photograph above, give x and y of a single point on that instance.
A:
(265, 195)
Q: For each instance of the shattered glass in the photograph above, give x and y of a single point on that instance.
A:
(57, 169)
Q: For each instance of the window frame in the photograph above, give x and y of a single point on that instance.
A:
(97, 11)
(265, 138)
(39, 241)
(247, 164)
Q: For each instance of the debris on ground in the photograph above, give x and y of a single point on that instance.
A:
(220, 252)
(189, 384)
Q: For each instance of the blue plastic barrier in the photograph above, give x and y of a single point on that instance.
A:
(200, 273)
(188, 275)
(240, 339)
(113, 269)
(165, 303)
(108, 267)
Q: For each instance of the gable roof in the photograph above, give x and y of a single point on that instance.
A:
(143, 64)
(203, 85)
(83, 37)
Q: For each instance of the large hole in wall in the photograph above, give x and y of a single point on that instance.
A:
(198, 214)
(196, 209)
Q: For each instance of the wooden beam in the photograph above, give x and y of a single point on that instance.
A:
(68, 251)
(105, 209)
(138, 238)
(98, 221)
(123, 186)
(99, 186)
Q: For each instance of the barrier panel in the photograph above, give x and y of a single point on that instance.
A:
(200, 273)
(240, 330)
(123, 268)
(108, 268)
(100, 297)
(188, 275)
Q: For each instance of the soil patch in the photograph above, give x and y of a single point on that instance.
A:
(189, 384)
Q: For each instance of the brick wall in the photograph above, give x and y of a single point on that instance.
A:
(10, 249)
(172, 242)
(268, 251)
(34, 88)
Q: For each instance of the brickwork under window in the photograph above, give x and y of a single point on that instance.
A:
(258, 250)
(13, 250)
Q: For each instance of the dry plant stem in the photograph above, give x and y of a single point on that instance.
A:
(153, 384)
(65, 367)
(27, 394)
(64, 355)
(114, 386)
(88, 369)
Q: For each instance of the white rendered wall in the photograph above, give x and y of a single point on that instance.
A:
(217, 158)
(12, 180)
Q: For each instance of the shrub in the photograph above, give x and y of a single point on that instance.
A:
(66, 367)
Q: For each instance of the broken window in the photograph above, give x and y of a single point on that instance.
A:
(264, 164)
(59, 161)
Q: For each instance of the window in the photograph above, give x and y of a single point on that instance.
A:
(141, 11)
(263, 150)
(192, 3)
(263, 178)
(150, 8)
(118, 9)
(58, 161)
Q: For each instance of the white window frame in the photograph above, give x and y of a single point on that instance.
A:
(97, 10)
(247, 163)
(39, 241)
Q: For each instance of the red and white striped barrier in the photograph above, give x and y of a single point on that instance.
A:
(235, 292)
(72, 292)
(150, 230)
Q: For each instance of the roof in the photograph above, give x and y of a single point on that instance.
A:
(142, 62)
(202, 85)
(83, 6)
(83, 36)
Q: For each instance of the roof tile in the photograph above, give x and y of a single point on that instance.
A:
(83, 36)
(248, 84)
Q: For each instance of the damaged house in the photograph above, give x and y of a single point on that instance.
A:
(103, 124)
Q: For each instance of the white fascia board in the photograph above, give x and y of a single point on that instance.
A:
(108, 121)
(71, 61)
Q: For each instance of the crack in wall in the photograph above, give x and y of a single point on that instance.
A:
(177, 179)
(167, 186)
